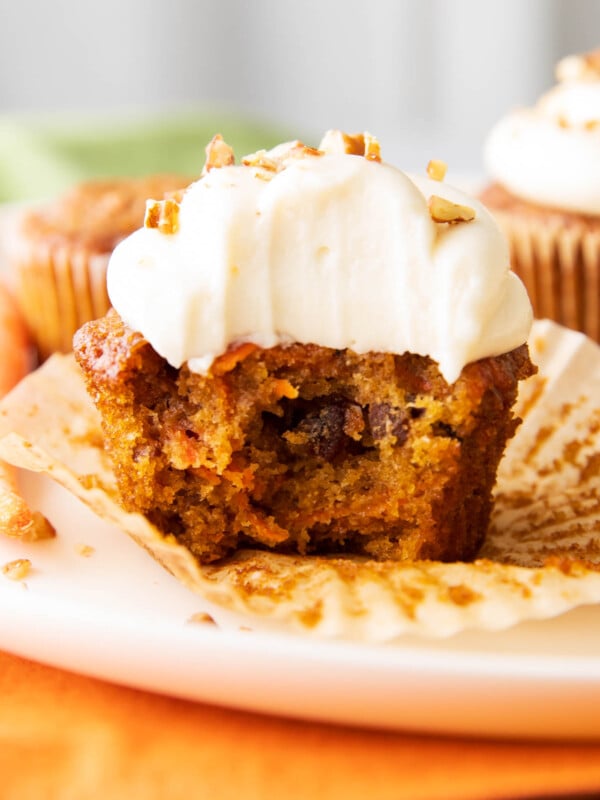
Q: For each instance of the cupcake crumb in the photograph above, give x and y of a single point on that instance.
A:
(201, 617)
(17, 570)
(84, 550)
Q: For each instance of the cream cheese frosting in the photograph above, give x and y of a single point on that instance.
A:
(325, 247)
(550, 154)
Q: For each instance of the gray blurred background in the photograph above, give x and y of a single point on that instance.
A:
(428, 77)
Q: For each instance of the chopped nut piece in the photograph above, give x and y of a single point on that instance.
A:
(436, 170)
(305, 150)
(84, 550)
(357, 144)
(218, 154)
(17, 570)
(152, 217)
(337, 142)
(372, 148)
(584, 67)
(277, 159)
(442, 210)
(262, 160)
(162, 214)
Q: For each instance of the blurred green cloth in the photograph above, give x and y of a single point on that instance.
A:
(41, 156)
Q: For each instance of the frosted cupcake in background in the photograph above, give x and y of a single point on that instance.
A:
(545, 166)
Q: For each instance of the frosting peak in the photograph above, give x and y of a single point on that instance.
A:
(320, 246)
(550, 154)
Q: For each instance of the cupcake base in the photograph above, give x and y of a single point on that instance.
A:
(58, 253)
(302, 448)
(556, 255)
(60, 288)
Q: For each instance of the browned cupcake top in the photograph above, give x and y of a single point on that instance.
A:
(497, 198)
(99, 213)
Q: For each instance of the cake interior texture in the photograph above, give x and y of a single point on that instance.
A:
(302, 448)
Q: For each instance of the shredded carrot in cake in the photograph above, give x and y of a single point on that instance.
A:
(229, 360)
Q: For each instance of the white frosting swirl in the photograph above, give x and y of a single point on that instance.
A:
(334, 249)
(550, 154)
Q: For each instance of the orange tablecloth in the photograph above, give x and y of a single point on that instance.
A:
(68, 736)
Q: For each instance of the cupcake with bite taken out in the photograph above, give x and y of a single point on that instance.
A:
(545, 166)
(311, 352)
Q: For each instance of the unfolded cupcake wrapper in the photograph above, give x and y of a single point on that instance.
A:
(560, 267)
(59, 287)
(541, 556)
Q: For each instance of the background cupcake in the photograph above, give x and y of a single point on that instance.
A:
(545, 164)
(59, 252)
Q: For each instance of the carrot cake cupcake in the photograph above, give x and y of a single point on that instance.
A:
(311, 352)
(545, 164)
(59, 253)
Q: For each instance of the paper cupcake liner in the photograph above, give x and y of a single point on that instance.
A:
(59, 288)
(560, 267)
(541, 556)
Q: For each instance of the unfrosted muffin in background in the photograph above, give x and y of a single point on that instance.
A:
(58, 253)
(545, 166)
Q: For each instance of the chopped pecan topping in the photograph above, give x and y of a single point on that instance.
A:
(356, 144)
(261, 160)
(337, 143)
(218, 154)
(162, 214)
(436, 170)
(268, 163)
(442, 210)
(585, 67)
(300, 150)
(372, 148)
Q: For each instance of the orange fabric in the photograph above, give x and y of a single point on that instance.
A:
(67, 736)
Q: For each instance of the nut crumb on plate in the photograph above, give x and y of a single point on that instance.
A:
(201, 617)
(17, 570)
(84, 550)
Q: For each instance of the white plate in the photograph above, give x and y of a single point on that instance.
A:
(118, 615)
